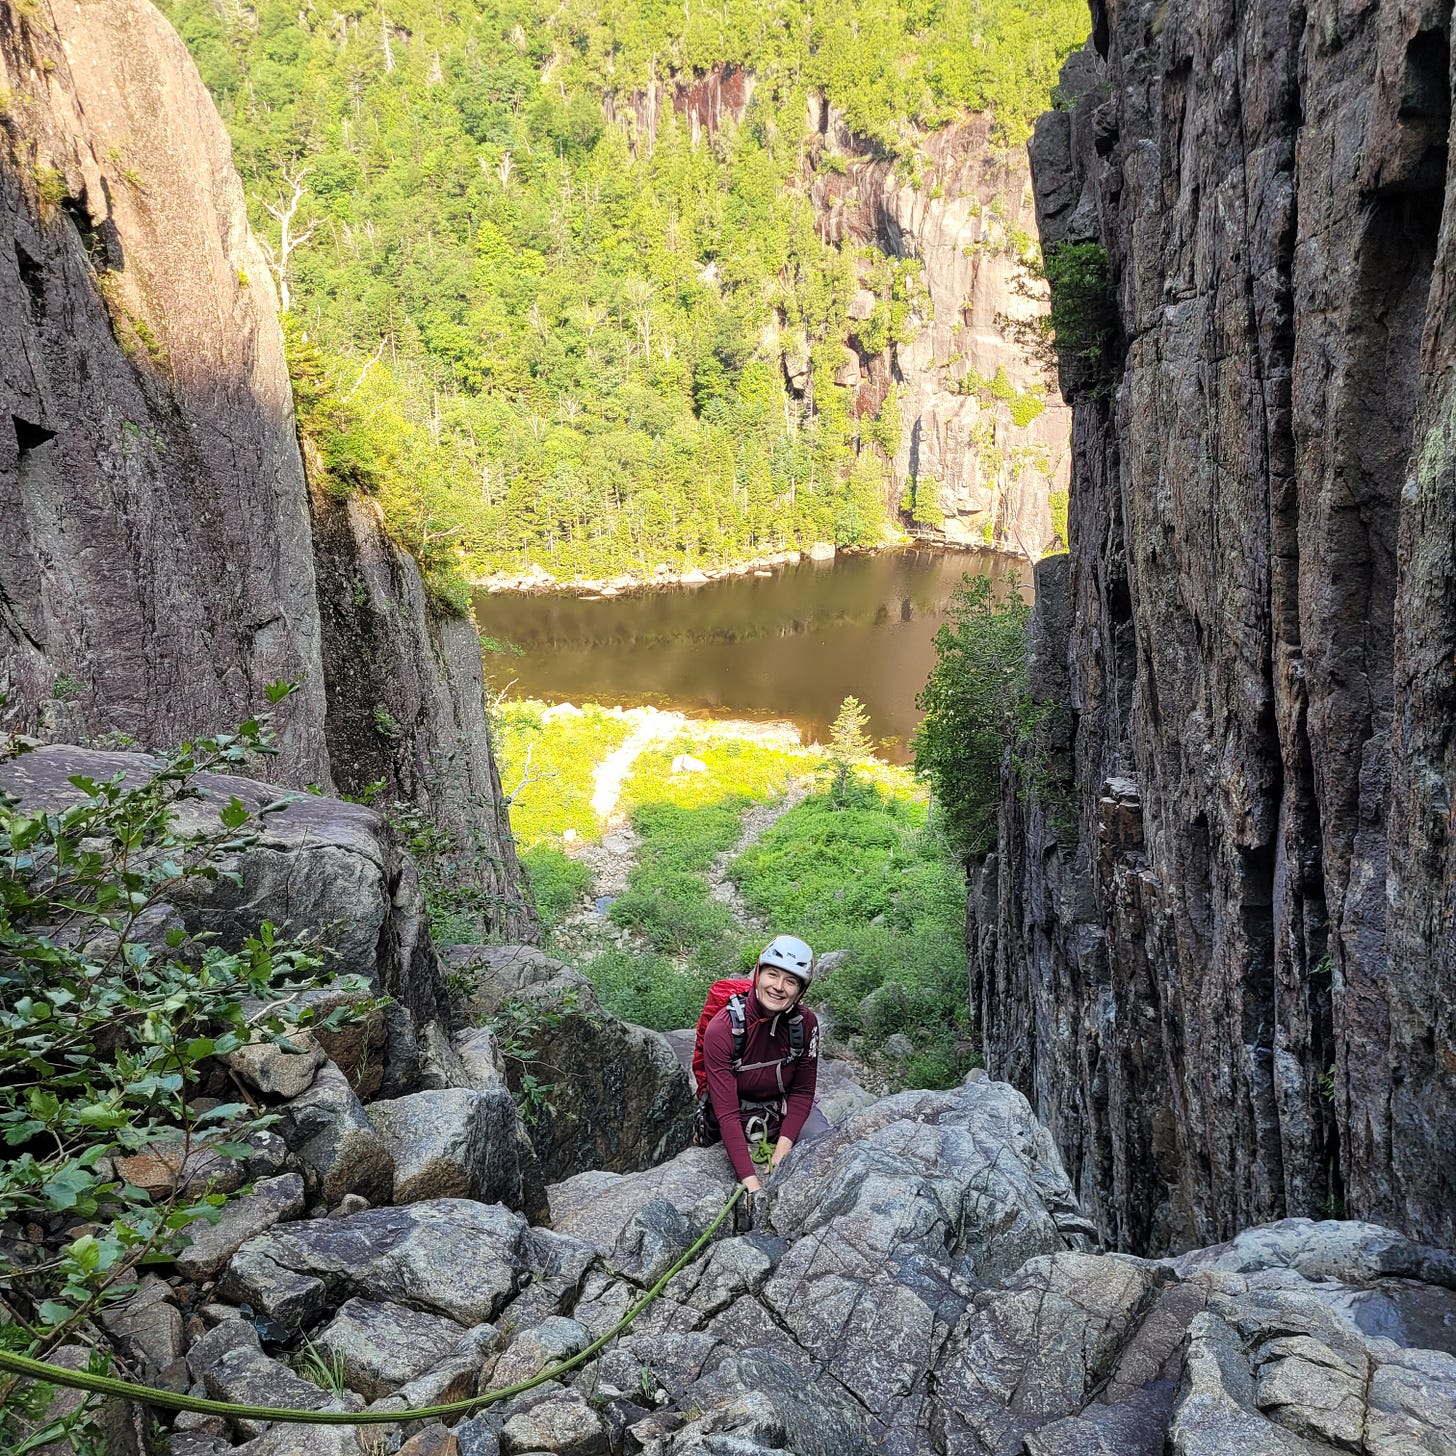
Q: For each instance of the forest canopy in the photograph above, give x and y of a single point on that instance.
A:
(538, 320)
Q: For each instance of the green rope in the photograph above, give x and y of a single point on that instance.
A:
(106, 1385)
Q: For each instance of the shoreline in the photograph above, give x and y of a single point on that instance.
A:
(539, 582)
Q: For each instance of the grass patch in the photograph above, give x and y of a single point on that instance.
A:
(666, 900)
(558, 882)
(651, 990)
(564, 748)
(736, 767)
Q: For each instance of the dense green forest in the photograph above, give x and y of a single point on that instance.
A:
(528, 314)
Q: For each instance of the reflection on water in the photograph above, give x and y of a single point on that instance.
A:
(791, 645)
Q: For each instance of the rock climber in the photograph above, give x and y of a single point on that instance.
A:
(760, 1054)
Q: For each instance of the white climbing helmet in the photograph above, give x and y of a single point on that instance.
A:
(790, 954)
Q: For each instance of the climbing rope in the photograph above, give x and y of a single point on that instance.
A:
(144, 1394)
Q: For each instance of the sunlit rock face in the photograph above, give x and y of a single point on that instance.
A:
(984, 432)
(161, 562)
(1215, 944)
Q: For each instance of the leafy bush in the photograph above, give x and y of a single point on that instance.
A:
(558, 882)
(651, 990)
(975, 707)
(109, 1030)
(667, 899)
(1083, 320)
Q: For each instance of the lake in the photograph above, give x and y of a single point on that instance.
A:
(790, 645)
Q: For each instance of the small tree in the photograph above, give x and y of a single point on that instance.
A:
(975, 706)
(848, 744)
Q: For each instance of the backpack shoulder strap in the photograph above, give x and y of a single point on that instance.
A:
(796, 1035)
(738, 1016)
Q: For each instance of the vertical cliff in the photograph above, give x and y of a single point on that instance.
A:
(945, 245)
(984, 439)
(1216, 944)
(160, 563)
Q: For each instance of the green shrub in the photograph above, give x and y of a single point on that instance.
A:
(975, 706)
(666, 899)
(558, 882)
(1058, 502)
(1083, 319)
(869, 878)
(651, 990)
(107, 1034)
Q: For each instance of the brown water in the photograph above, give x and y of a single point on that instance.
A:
(789, 646)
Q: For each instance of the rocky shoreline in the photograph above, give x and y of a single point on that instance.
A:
(539, 582)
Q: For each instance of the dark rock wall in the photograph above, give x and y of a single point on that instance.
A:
(159, 563)
(1215, 943)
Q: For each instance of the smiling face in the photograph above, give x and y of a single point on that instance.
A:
(777, 989)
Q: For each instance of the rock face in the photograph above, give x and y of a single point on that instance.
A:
(160, 563)
(1217, 953)
(974, 445)
(611, 1095)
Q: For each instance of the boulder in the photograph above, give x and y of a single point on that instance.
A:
(561, 1423)
(148, 1325)
(1325, 1249)
(484, 977)
(617, 1097)
(641, 1223)
(331, 1136)
(276, 1071)
(1275, 1365)
(534, 1350)
(320, 867)
(1035, 1349)
(380, 1347)
(160, 1167)
(434, 1440)
(452, 1143)
(245, 1376)
(453, 1257)
(836, 1092)
(210, 1246)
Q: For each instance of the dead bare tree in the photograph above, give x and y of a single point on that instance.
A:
(291, 237)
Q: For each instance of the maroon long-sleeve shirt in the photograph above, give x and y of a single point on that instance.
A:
(765, 1075)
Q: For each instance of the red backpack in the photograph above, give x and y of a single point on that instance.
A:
(731, 993)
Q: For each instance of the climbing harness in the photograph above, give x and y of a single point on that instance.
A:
(144, 1394)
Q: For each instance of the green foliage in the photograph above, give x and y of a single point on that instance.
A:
(651, 990)
(558, 883)
(548, 758)
(848, 745)
(733, 766)
(975, 708)
(66, 689)
(1083, 319)
(538, 334)
(50, 185)
(925, 507)
(325, 1368)
(518, 1025)
(666, 899)
(1058, 502)
(107, 1030)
